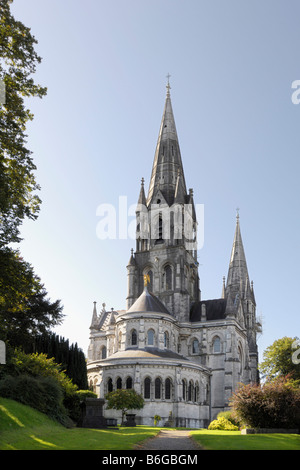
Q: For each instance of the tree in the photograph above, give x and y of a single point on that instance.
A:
(124, 400)
(278, 359)
(71, 358)
(18, 61)
(25, 310)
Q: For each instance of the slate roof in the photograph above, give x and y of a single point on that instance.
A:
(148, 352)
(215, 310)
(148, 302)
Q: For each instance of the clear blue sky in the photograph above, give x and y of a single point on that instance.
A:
(93, 138)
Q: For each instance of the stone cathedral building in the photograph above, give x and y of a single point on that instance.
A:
(184, 355)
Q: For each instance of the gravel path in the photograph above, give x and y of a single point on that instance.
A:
(170, 440)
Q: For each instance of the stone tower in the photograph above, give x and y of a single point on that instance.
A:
(240, 298)
(166, 228)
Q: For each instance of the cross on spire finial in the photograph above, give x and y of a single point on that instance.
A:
(168, 84)
(237, 212)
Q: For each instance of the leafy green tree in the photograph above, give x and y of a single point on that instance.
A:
(278, 359)
(124, 400)
(18, 61)
(25, 310)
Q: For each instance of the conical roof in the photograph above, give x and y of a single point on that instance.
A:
(147, 302)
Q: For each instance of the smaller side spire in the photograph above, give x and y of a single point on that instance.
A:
(223, 288)
(142, 197)
(179, 197)
(94, 317)
(131, 260)
(112, 319)
(238, 271)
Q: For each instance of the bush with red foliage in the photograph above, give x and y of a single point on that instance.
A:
(274, 404)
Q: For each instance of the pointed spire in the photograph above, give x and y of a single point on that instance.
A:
(142, 197)
(223, 288)
(248, 293)
(112, 319)
(238, 271)
(131, 260)
(94, 317)
(167, 159)
(252, 292)
(179, 196)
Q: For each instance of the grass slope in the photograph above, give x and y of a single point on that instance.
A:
(23, 428)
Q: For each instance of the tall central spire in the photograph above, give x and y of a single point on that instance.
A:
(167, 160)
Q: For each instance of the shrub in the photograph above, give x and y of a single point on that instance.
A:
(42, 393)
(83, 394)
(222, 424)
(230, 416)
(40, 366)
(275, 404)
(72, 402)
(157, 419)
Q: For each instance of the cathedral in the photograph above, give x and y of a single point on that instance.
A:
(183, 354)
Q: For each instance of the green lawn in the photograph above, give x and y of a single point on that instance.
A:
(233, 440)
(23, 428)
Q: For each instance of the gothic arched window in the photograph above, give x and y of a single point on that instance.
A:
(240, 357)
(196, 393)
(133, 338)
(159, 229)
(217, 344)
(195, 346)
(157, 388)
(129, 382)
(109, 385)
(184, 389)
(147, 383)
(167, 276)
(167, 389)
(103, 352)
(166, 339)
(190, 391)
(119, 383)
(150, 338)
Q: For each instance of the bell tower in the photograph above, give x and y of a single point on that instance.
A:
(166, 229)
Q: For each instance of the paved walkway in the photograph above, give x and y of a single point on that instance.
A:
(170, 440)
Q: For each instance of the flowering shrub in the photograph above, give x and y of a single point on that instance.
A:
(222, 424)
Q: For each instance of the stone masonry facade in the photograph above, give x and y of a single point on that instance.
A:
(184, 355)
